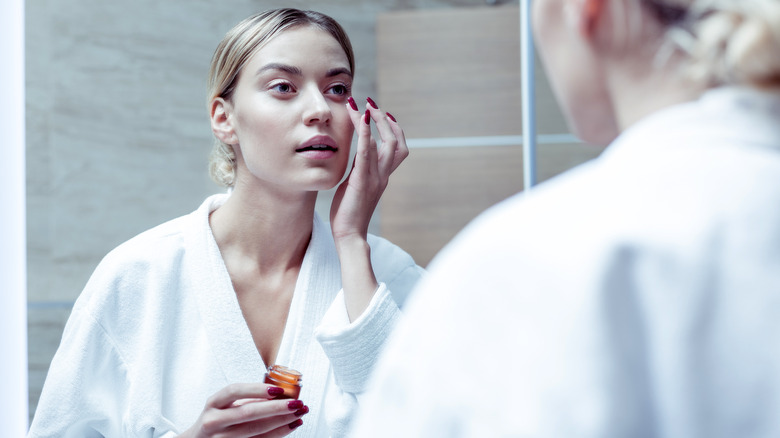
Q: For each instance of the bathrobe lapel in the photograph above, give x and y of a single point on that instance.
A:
(319, 281)
(318, 284)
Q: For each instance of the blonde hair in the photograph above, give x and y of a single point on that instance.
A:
(235, 50)
(726, 41)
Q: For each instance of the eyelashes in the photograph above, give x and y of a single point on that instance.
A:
(344, 90)
(282, 87)
(287, 88)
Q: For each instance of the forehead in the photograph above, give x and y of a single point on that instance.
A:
(301, 46)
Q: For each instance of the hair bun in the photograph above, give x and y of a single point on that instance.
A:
(737, 42)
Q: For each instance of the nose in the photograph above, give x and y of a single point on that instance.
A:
(316, 108)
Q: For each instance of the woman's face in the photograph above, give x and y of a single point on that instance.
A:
(574, 68)
(288, 112)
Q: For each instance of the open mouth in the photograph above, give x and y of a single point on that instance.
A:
(316, 147)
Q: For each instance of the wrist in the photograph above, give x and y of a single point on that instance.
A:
(357, 274)
(352, 244)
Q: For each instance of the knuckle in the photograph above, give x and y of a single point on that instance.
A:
(232, 390)
(210, 425)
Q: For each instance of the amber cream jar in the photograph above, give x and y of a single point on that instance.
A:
(285, 378)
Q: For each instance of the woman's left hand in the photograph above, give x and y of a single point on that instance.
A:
(357, 197)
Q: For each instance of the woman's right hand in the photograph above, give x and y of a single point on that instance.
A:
(247, 410)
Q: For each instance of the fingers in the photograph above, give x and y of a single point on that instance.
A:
(282, 430)
(278, 425)
(354, 113)
(230, 394)
(254, 418)
(402, 150)
(394, 149)
(366, 155)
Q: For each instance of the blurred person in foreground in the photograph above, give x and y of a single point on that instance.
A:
(638, 294)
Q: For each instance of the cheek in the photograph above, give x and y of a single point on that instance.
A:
(343, 126)
(260, 127)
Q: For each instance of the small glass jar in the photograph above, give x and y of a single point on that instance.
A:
(285, 378)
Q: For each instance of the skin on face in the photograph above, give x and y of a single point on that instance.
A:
(566, 38)
(292, 92)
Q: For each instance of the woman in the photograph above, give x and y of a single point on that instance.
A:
(639, 294)
(176, 327)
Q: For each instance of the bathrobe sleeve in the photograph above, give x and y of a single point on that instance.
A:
(353, 348)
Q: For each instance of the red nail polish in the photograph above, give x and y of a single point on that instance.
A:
(275, 390)
(372, 103)
(391, 117)
(352, 103)
(296, 424)
(303, 411)
(295, 405)
(368, 118)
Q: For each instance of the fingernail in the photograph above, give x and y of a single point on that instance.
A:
(275, 390)
(296, 424)
(368, 118)
(372, 103)
(303, 411)
(295, 405)
(391, 117)
(352, 103)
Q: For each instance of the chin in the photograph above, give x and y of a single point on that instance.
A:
(325, 184)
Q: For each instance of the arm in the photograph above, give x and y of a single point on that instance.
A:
(356, 199)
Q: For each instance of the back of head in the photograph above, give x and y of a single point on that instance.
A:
(235, 50)
(727, 42)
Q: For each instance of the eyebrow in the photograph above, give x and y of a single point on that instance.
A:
(338, 71)
(297, 72)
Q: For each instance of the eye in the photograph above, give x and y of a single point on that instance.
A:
(339, 89)
(282, 87)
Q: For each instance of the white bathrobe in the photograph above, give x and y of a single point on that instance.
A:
(158, 330)
(637, 295)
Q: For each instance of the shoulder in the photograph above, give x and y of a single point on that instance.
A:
(162, 246)
(143, 266)
(159, 245)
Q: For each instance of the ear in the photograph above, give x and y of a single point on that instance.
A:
(591, 13)
(221, 121)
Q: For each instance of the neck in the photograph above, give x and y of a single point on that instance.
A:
(638, 91)
(270, 228)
